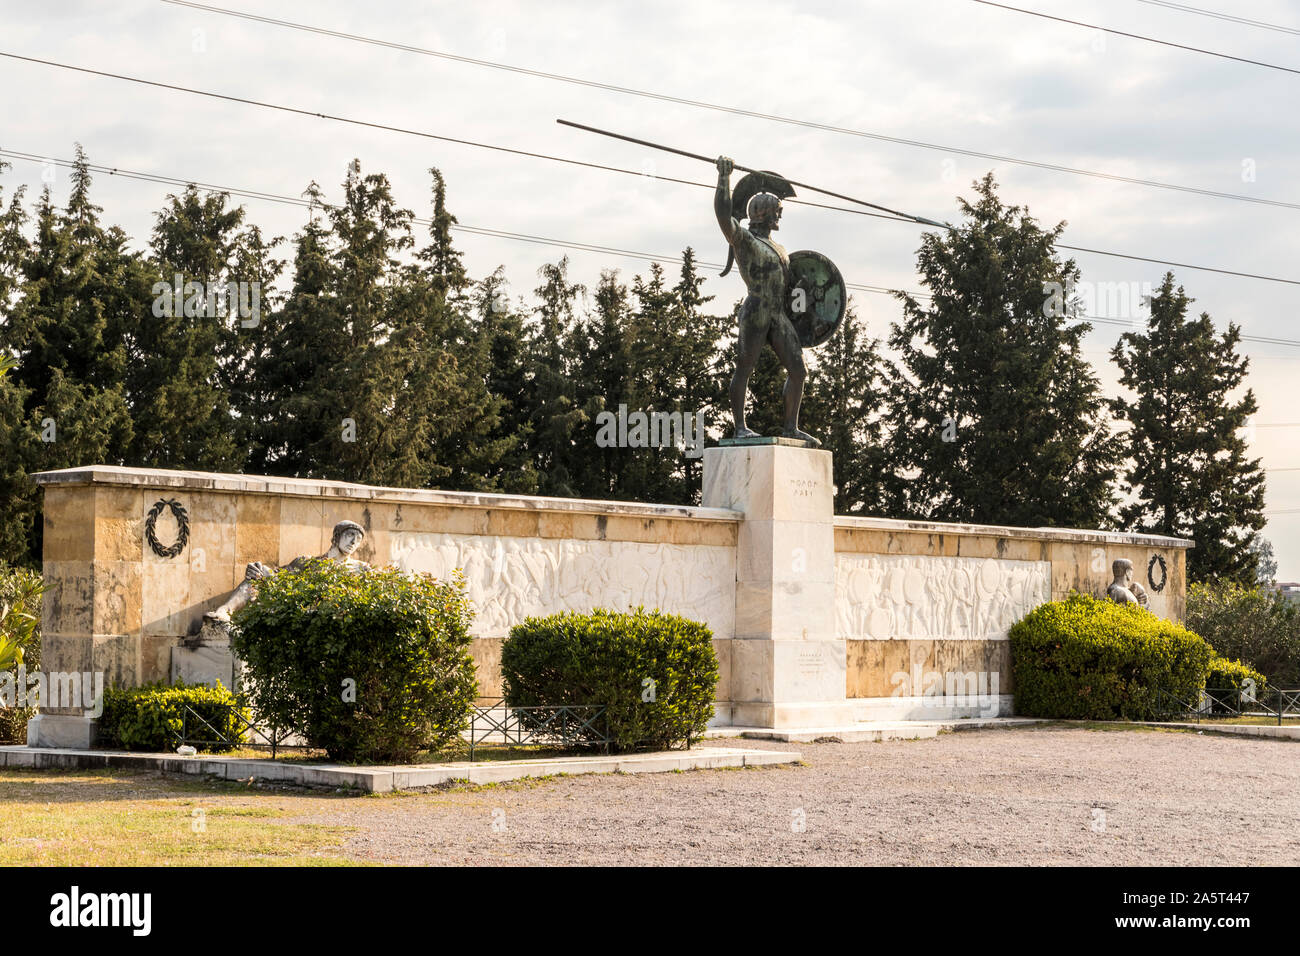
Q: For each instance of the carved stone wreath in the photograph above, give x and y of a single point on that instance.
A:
(183, 524)
(1164, 573)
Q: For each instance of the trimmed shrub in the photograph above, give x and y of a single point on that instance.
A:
(20, 641)
(370, 666)
(151, 717)
(1224, 674)
(654, 673)
(1249, 624)
(1084, 658)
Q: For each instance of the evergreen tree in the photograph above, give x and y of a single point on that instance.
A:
(341, 352)
(180, 399)
(17, 498)
(17, 437)
(303, 339)
(704, 380)
(654, 385)
(997, 417)
(499, 337)
(81, 291)
(452, 415)
(559, 426)
(842, 407)
(1266, 560)
(246, 371)
(601, 361)
(1190, 469)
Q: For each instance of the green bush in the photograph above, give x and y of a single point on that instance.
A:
(654, 673)
(151, 717)
(1249, 624)
(1084, 658)
(370, 666)
(20, 641)
(1224, 674)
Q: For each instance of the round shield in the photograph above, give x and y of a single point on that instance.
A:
(817, 297)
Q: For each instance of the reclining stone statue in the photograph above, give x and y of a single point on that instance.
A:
(347, 537)
(1124, 590)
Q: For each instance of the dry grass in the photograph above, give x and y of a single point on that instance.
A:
(120, 818)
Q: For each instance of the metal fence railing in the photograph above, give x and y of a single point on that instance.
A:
(1275, 703)
(572, 725)
(247, 734)
(569, 726)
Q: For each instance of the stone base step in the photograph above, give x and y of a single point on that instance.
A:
(384, 779)
(870, 731)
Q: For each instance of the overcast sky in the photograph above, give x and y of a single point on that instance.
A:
(948, 72)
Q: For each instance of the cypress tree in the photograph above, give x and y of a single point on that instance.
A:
(997, 417)
(842, 407)
(452, 416)
(559, 426)
(499, 336)
(80, 292)
(702, 354)
(1189, 466)
(17, 436)
(180, 400)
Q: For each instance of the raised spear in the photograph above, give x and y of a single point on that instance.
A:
(706, 159)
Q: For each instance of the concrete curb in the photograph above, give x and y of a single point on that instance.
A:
(874, 731)
(1242, 730)
(388, 779)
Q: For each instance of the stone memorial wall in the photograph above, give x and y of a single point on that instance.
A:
(817, 620)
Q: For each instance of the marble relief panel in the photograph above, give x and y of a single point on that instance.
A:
(510, 578)
(884, 597)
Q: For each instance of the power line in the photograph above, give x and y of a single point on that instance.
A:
(734, 110)
(1132, 36)
(505, 234)
(1184, 8)
(417, 220)
(588, 165)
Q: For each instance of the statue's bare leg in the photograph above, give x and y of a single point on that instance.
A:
(749, 345)
(785, 342)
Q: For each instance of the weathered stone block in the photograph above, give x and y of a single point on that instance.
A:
(117, 656)
(204, 665)
(117, 598)
(165, 604)
(68, 604)
(156, 657)
(302, 529)
(69, 523)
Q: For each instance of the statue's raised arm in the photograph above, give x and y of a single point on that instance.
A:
(722, 198)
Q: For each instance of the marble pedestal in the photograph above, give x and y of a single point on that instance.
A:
(61, 730)
(787, 667)
(207, 659)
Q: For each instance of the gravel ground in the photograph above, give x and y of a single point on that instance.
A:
(1039, 795)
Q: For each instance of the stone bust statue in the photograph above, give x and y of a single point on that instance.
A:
(347, 537)
(1124, 590)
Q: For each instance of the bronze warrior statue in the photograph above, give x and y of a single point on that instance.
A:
(765, 267)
